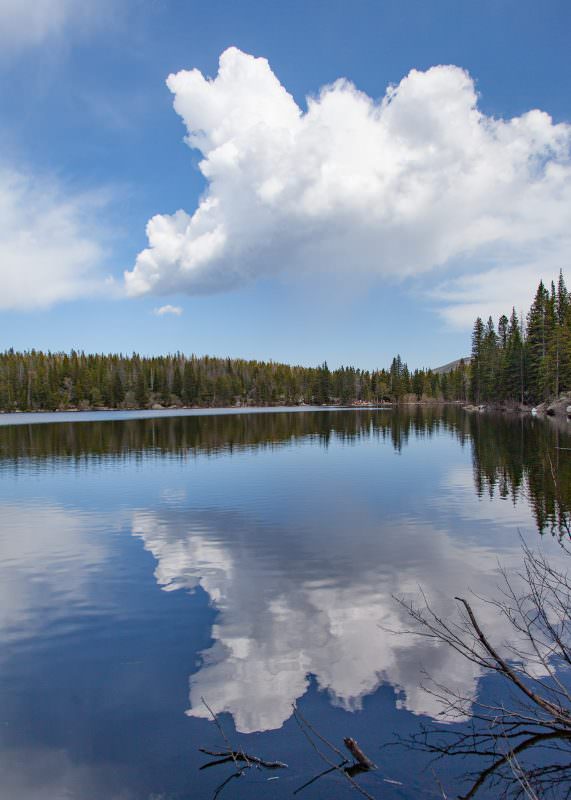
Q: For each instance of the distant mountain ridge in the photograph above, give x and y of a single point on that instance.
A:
(451, 365)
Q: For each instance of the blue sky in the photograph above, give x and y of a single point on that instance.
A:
(347, 232)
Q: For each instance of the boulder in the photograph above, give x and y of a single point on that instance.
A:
(560, 407)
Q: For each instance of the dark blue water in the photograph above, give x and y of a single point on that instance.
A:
(250, 560)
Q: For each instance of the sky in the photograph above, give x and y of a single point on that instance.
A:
(296, 181)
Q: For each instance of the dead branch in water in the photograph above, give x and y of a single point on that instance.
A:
(242, 761)
(534, 712)
(358, 754)
(240, 756)
(361, 764)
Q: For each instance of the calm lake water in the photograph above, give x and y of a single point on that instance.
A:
(251, 560)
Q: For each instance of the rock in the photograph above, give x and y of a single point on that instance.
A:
(559, 407)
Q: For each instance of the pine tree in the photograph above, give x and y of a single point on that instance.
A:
(396, 384)
(536, 345)
(177, 381)
(189, 396)
(476, 360)
(489, 362)
(552, 345)
(501, 379)
(418, 383)
(564, 331)
(117, 393)
(322, 392)
(141, 394)
(514, 361)
(503, 326)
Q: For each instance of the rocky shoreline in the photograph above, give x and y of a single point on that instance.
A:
(558, 407)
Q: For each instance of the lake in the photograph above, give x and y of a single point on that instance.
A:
(251, 560)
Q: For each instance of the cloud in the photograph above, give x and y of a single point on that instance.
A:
(494, 292)
(50, 248)
(168, 309)
(28, 23)
(392, 189)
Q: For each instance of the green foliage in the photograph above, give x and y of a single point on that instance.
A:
(531, 365)
(36, 381)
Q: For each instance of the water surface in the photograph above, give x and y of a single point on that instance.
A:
(251, 560)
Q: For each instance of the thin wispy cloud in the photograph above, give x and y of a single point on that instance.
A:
(420, 181)
(51, 245)
(30, 23)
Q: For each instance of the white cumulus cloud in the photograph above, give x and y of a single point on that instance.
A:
(418, 180)
(168, 309)
(50, 246)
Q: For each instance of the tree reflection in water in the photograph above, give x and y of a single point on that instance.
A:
(512, 457)
(521, 730)
(523, 736)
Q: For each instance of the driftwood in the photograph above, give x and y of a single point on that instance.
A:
(238, 755)
(534, 712)
(361, 764)
(358, 754)
(242, 761)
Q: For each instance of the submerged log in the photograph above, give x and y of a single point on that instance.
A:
(358, 754)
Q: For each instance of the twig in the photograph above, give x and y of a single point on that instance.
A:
(301, 721)
(241, 756)
(502, 666)
(521, 777)
(315, 778)
(223, 734)
(216, 763)
(439, 784)
(223, 784)
(322, 738)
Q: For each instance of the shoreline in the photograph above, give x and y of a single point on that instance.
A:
(278, 406)
(43, 416)
(21, 418)
(554, 407)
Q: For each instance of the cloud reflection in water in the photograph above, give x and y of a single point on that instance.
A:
(297, 603)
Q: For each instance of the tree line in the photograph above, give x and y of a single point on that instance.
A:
(524, 361)
(37, 381)
(517, 361)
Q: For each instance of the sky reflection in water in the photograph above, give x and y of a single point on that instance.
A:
(249, 560)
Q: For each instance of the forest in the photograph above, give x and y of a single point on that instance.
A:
(35, 381)
(524, 361)
(516, 362)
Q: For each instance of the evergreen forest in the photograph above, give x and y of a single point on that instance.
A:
(35, 380)
(517, 361)
(525, 361)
